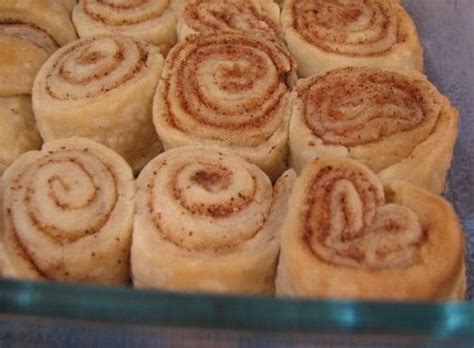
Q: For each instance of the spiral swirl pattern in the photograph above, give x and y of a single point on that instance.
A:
(206, 200)
(153, 21)
(344, 239)
(218, 87)
(92, 67)
(347, 223)
(101, 88)
(354, 28)
(399, 125)
(360, 106)
(211, 16)
(229, 89)
(207, 220)
(63, 187)
(65, 198)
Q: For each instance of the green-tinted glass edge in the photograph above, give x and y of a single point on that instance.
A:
(130, 306)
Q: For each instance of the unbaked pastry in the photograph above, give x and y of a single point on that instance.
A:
(259, 17)
(398, 125)
(344, 239)
(101, 88)
(68, 213)
(206, 220)
(324, 35)
(231, 90)
(45, 23)
(153, 21)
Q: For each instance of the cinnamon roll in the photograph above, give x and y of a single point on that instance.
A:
(324, 35)
(227, 89)
(18, 133)
(153, 21)
(68, 214)
(260, 17)
(101, 88)
(45, 23)
(398, 125)
(206, 220)
(344, 239)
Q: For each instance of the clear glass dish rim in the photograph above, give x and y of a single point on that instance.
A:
(126, 305)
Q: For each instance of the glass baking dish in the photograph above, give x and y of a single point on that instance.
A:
(70, 313)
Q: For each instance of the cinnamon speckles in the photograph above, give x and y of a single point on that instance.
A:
(346, 221)
(248, 67)
(66, 196)
(335, 27)
(362, 106)
(199, 199)
(207, 16)
(212, 180)
(124, 62)
(60, 189)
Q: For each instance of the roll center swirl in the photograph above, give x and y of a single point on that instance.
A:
(354, 28)
(207, 204)
(227, 84)
(94, 67)
(212, 180)
(358, 109)
(67, 196)
(349, 224)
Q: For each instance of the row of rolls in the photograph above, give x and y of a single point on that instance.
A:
(237, 89)
(245, 98)
(201, 218)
